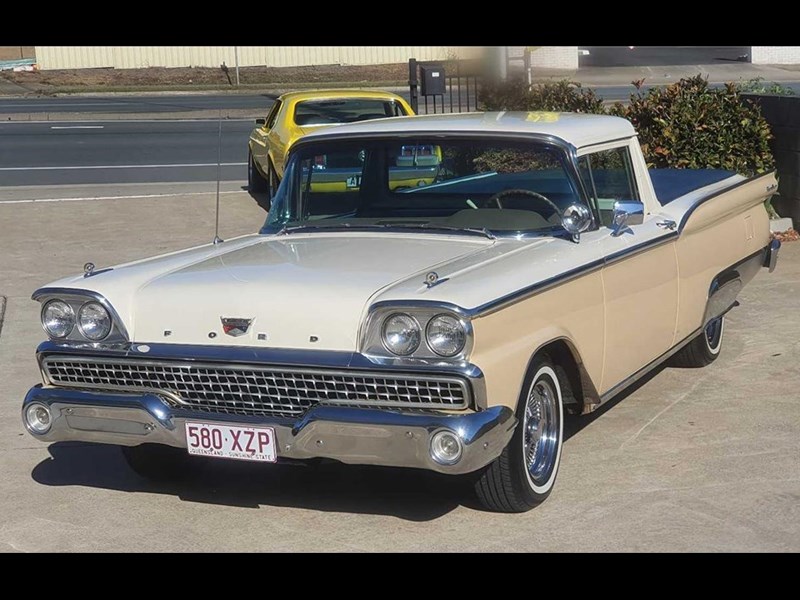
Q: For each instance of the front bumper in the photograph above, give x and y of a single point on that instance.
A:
(364, 436)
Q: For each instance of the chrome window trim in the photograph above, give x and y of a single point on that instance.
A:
(76, 298)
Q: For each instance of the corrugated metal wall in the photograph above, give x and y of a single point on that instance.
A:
(129, 57)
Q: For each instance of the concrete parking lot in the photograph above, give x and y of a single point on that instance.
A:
(690, 460)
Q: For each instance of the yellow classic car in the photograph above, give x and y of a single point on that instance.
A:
(296, 113)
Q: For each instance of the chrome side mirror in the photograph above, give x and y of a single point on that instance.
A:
(576, 219)
(626, 213)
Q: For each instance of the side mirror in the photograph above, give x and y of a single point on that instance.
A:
(626, 213)
(576, 219)
(261, 121)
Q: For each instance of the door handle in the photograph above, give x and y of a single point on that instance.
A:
(667, 224)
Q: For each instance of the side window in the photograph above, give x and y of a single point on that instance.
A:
(330, 184)
(608, 177)
(273, 114)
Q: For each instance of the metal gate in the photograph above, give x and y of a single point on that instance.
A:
(461, 91)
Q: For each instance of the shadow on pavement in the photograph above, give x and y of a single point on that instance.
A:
(409, 494)
(404, 493)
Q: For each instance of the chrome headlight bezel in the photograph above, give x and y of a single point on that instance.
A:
(76, 300)
(372, 342)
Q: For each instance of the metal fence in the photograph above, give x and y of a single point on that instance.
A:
(783, 115)
(461, 89)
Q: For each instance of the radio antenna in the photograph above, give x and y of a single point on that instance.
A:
(218, 239)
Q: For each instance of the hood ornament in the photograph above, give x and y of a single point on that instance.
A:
(235, 326)
(88, 269)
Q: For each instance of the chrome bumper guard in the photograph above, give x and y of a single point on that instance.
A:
(771, 258)
(366, 436)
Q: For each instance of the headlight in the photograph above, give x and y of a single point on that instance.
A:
(401, 334)
(94, 321)
(445, 335)
(58, 319)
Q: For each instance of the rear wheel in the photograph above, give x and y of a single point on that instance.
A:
(704, 349)
(524, 473)
(157, 462)
(255, 181)
(272, 179)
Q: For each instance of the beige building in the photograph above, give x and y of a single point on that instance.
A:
(130, 57)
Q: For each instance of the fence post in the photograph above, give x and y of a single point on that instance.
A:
(413, 84)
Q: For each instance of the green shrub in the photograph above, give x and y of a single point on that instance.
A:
(757, 85)
(561, 96)
(691, 126)
(685, 125)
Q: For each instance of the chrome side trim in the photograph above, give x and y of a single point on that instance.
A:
(621, 386)
(118, 337)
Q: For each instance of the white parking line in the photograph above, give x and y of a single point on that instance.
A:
(77, 127)
(137, 196)
(213, 120)
(77, 168)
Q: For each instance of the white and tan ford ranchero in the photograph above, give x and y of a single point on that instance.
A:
(530, 267)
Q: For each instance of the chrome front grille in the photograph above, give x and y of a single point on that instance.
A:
(255, 390)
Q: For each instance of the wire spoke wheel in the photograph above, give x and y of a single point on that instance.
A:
(541, 431)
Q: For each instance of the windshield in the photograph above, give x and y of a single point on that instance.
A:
(485, 184)
(347, 110)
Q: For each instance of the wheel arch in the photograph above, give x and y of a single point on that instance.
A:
(581, 396)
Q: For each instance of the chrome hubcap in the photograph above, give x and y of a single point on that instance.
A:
(541, 429)
(714, 333)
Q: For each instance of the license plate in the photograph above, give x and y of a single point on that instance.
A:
(225, 441)
(354, 182)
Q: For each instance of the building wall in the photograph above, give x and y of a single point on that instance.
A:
(554, 57)
(775, 55)
(130, 57)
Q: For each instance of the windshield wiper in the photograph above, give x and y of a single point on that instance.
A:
(396, 225)
(470, 230)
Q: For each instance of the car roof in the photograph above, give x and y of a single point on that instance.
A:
(576, 129)
(333, 94)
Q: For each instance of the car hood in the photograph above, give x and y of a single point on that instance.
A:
(297, 291)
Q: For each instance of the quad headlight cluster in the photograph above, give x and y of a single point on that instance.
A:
(418, 333)
(77, 319)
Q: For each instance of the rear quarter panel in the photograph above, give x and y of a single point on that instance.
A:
(718, 233)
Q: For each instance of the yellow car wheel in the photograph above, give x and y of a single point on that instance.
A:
(255, 181)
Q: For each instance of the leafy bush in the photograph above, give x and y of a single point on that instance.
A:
(757, 85)
(562, 96)
(685, 125)
(692, 126)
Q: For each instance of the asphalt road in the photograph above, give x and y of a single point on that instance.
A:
(121, 151)
(133, 104)
(624, 56)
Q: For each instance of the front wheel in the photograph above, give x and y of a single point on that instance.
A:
(524, 473)
(704, 349)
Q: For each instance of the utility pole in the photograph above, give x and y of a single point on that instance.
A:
(236, 60)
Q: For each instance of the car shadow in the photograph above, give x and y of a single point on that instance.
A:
(263, 200)
(408, 494)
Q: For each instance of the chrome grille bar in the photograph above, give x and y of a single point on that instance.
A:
(256, 390)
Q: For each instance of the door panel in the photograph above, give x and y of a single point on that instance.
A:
(641, 304)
